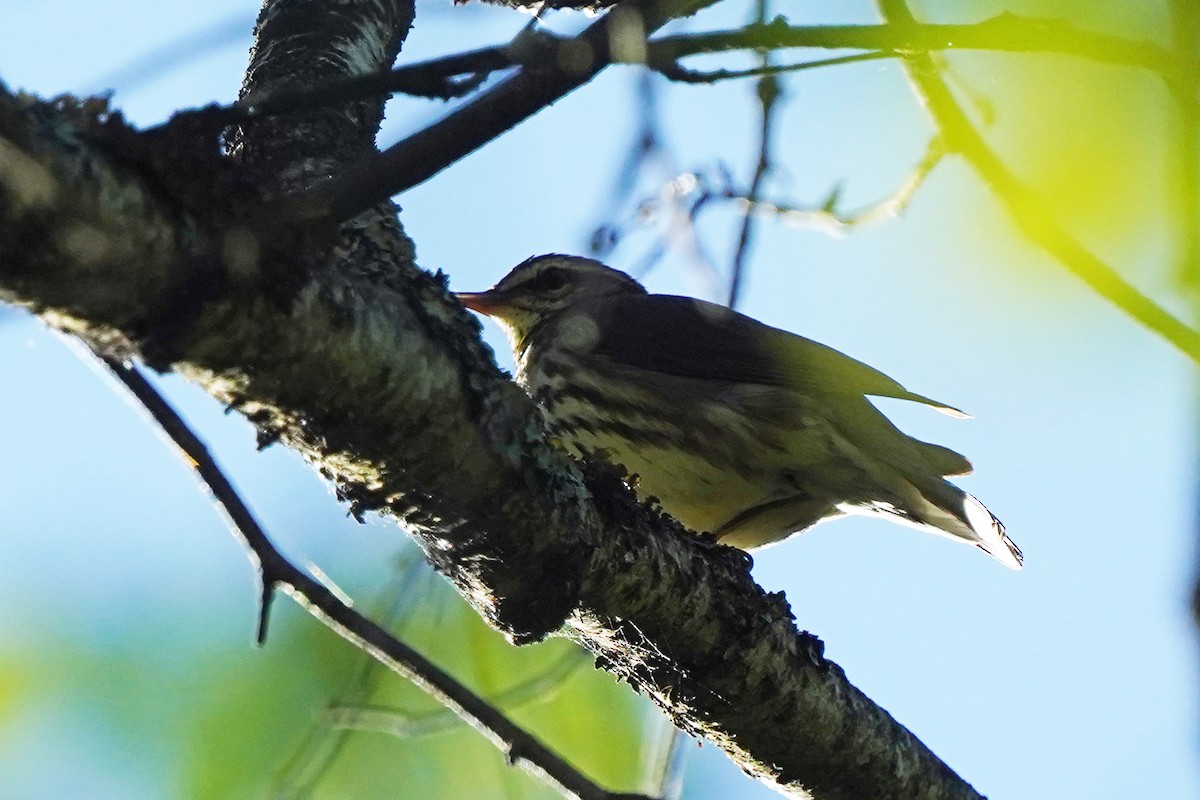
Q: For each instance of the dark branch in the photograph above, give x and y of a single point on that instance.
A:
(402, 724)
(362, 363)
(454, 75)
(553, 67)
(275, 571)
(768, 91)
(421, 156)
(242, 522)
(677, 72)
(439, 78)
(372, 374)
(830, 218)
(1005, 32)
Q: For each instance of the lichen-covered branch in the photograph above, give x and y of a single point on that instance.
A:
(384, 386)
(332, 341)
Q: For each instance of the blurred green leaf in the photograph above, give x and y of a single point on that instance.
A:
(550, 688)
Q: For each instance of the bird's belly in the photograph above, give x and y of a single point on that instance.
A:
(710, 466)
(698, 493)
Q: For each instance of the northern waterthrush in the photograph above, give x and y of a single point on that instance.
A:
(738, 428)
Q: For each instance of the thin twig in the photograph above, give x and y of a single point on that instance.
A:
(440, 78)
(650, 154)
(543, 79)
(701, 191)
(457, 74)
(417, 158)
(675, 71)
(830, 219)
(1032, 214)
(271, 565)
(299, 777)
(275, 571)
(1005, 32)
(768, 90)
(646, 151)
(400, 723)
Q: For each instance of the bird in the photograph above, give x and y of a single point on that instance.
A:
(738, 429)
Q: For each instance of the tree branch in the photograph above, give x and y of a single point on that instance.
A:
(442, 78)
(676, 72)
(343, 350)
(1031, 213)
(398, 723)
(275, 571)
(620, 32)
(768, 90)
(541, 51)
(1005, 32)
(378, 379)
(553, 67)
(830, 218)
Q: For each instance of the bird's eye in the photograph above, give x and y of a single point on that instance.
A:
(551, 279)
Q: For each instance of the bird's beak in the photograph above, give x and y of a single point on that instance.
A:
(483, 302)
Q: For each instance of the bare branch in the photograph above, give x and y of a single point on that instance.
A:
(311, 760)
(373, 374)
(552, 67)
(275, 571)
(676, 72)
(768, 91)
(419, 157)
(441, 78)
(650, 157)
(646, 153)
(829, 218)
(1005, 32)
(400, 723)
(239, 517)
(688, 193)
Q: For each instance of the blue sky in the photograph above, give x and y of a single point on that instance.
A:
(1073, 678)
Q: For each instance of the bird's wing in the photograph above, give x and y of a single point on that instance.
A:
(692, 338)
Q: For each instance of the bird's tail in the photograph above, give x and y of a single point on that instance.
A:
(949, 510)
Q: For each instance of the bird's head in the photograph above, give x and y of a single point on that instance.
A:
(543, 287)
